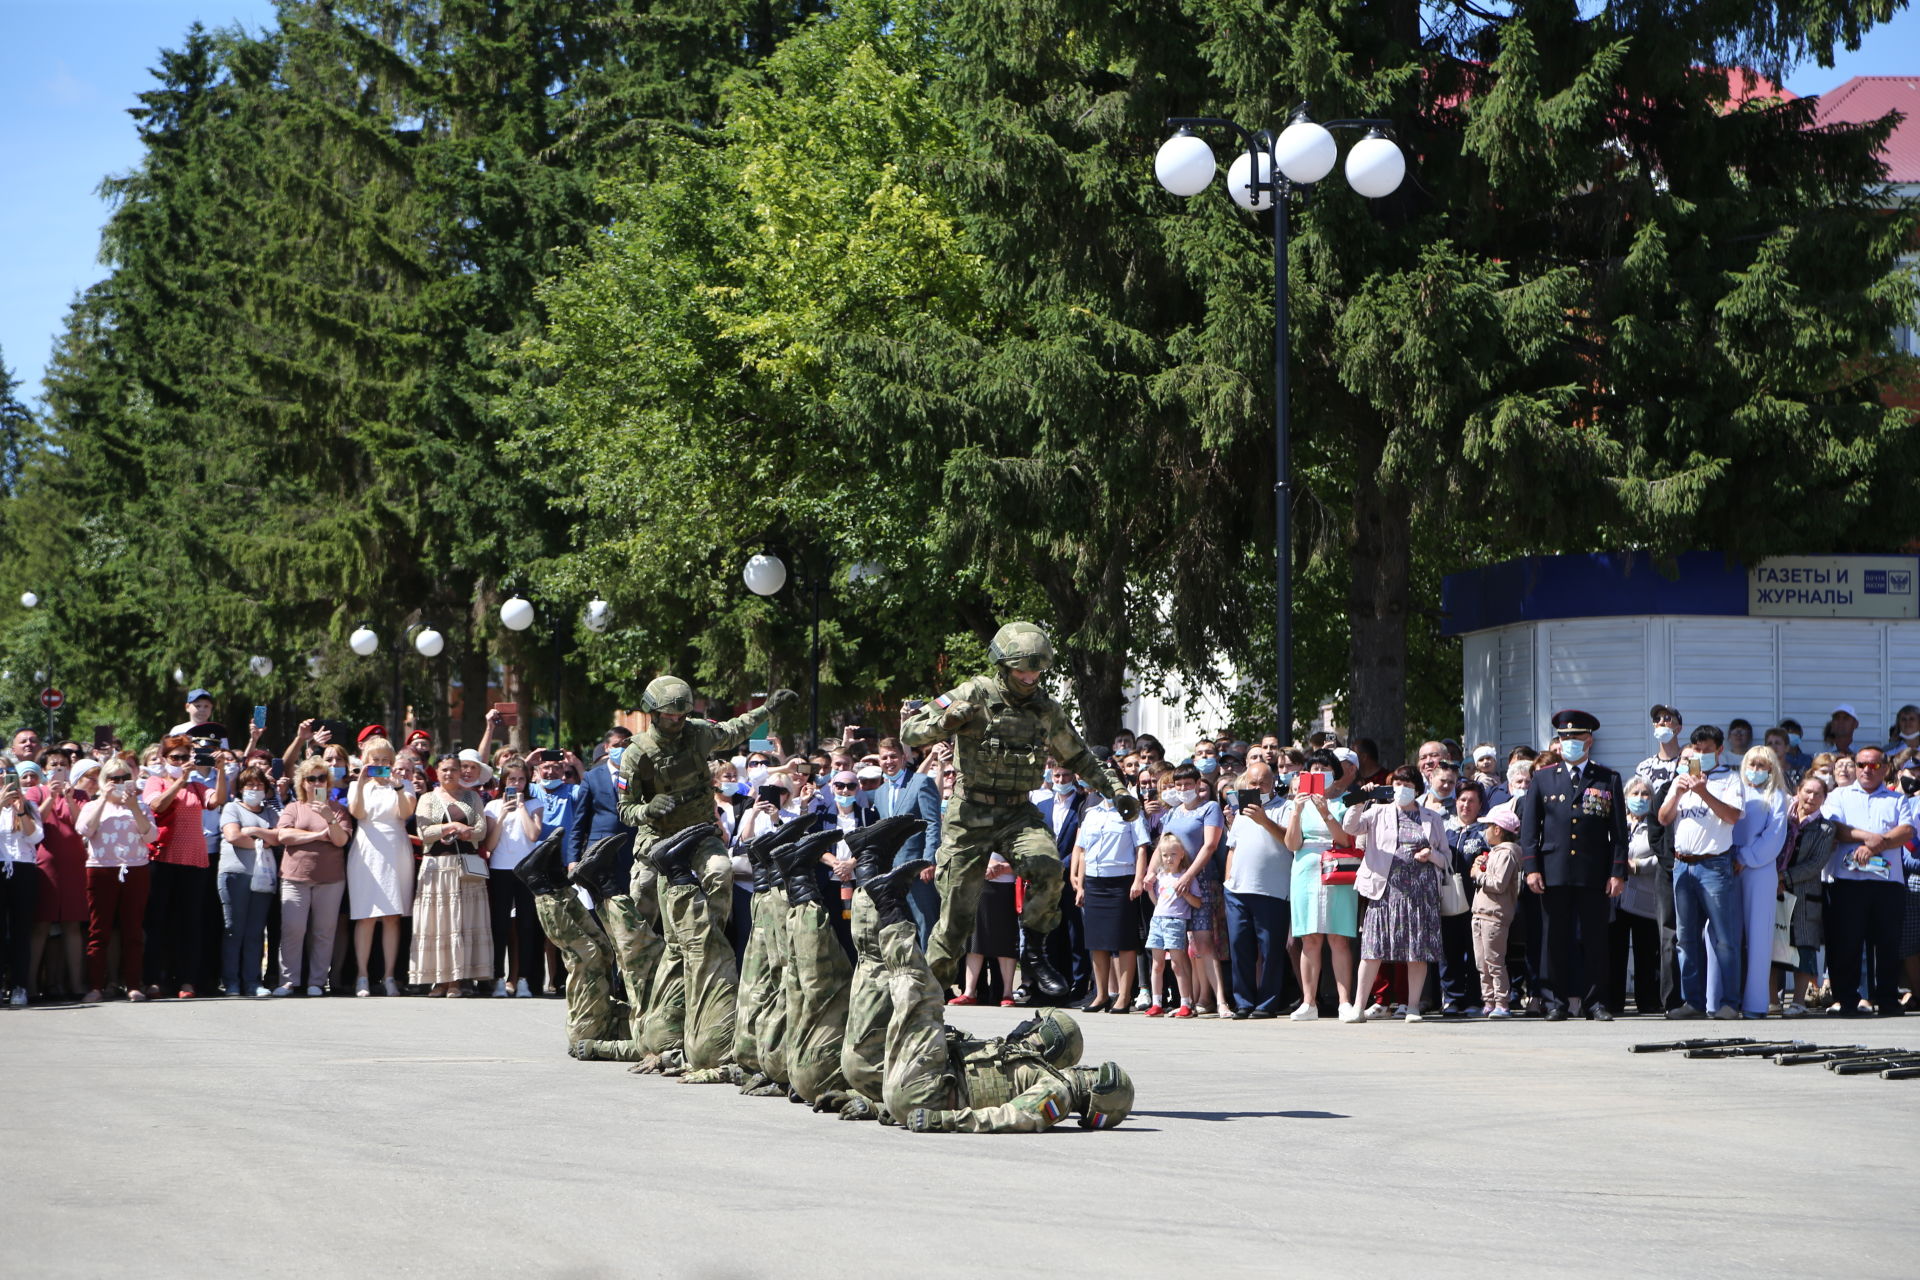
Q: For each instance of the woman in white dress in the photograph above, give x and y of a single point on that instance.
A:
(379, 863)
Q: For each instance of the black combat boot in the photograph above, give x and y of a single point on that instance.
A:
(544, 869)
(605, 869)
(1042, 973)
(889, 892)
(800, 865)
(874, 847)
(673, 856)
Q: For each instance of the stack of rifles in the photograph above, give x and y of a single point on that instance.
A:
(1842, 1059)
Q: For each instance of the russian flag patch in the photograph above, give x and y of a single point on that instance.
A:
(1097, 1120)
(943, 702)
(1051, 1109)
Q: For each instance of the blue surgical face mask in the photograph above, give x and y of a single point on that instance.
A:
(1403, 795)
(1639, 803)
(1756, 777)
(616, 754)
(1793, 741)
(1207, 764)
(845, 799)
(1063, 788)
(253, 797)
(339, 773)
(1709, 761)
(1662, 734)
(1573, 749)
(895, 776)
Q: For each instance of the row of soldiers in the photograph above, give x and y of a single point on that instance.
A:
(864, 1038)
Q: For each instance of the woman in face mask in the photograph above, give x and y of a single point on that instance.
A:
(181, 868)
(1803, 856)
(1636, 924)
(1757, 840)
(1407, 852)
(62, 858)
(1906, 731)
(728, 803)
(248, 878)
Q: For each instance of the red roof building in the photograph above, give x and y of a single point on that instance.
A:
(1865, 98)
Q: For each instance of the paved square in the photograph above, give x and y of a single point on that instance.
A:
(421, 1137)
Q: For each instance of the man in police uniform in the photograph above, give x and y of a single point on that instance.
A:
(1573, 850)
(665, 789)
(1004, 726)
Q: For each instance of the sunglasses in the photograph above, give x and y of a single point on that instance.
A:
(180, 759)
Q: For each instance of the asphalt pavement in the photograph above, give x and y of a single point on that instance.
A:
(401, 1137)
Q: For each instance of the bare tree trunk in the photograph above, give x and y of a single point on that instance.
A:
(1378, 550)
(474, 671)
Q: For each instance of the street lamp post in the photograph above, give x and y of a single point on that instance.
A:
(764, 575)
(427, 642)
(1264, 178)
(516, 614)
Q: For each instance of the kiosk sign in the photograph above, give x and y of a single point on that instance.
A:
(1833, 587)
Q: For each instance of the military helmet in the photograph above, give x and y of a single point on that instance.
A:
(1109, 1097)
(1052, 1034)
(667, 693)
(1021, 644)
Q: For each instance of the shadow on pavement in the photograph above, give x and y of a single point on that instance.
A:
(1244, 1115)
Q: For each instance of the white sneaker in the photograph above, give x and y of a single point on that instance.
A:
(19, 1000)
(1142, 1001)
(1350, 1013)
(1305, 1013)
(264, 991)
(360, 988)
(500, 989)
(315, 991)
(1414, 1015)
(1375, 1012)
(391, 987)
(282, 991)
(522, 991)
(1727, 1013)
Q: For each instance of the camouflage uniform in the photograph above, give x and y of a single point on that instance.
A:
(666, 787)
(1002, 737)
(762, 998)
(816, 988)
(638, 949)
(863, 1048)
(594, 1017)
(936, 1080)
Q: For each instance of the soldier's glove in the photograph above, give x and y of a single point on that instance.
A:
(921, 1120)
(662, 805)
(779, 698)
(1127, 805)
(957, 715)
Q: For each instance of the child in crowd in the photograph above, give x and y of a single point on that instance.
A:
(1167, 934)
(1497, 900)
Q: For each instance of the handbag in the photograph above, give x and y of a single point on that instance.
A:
(1340, 865)
(1453, 894)
(1784, 952)
(473, 866)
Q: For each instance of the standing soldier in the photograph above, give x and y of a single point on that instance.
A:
(1573, 851)
(665, 789)
(1004, 727)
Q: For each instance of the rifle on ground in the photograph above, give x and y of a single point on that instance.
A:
(1668, 1046)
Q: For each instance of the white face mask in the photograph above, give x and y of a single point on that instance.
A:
(1176, 798)
(1403, 795)
(253, 798)
(1662, 734)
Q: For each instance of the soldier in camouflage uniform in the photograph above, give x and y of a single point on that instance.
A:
(937, 1082)
(656, 1021)
(666, 789)
(817, 978)
(594, 1018)
(863, 1050)
(1004, 726)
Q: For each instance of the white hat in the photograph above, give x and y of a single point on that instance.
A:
(82, 769)
(870, 773)
(470, 756)
(1346, 756)
(1845, 708)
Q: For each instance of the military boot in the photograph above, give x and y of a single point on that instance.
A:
(874, 847)
(761, 851)
(889, 892)
(800, 865)
(673, 856)
(605, 869)
(544, 869)
(1038, 968)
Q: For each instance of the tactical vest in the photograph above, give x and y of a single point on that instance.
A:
(992, 1074)
(1008, 757)
(679, 770)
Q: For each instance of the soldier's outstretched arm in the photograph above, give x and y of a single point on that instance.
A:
(1045, 1103)
(952, 712)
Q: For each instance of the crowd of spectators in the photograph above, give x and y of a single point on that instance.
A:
(1724, 877)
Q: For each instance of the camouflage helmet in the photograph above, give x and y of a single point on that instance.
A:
(667, 693)
(1021, 644)
(1109, 1096)
(1052, 1034)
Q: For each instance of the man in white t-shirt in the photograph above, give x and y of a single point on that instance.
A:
(1701, 807)
(1259, 877)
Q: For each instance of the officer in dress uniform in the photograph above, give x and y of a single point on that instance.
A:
(1573, 849)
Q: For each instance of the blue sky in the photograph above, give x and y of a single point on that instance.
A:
(69, 69)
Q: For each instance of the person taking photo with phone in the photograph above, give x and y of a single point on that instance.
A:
(515, 823)
(379, 864)
(179, 792)
(117, 829)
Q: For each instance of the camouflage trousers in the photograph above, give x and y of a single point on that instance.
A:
(1023, 840)
(917, 1073)
(655, 1019)
(595, 1020)
(863, 1049)
(694, 918)
(816, 988)
(760, 1032)
(664, 1018)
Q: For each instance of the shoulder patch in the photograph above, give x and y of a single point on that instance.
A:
(943, 702)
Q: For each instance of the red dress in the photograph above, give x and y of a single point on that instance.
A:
(62, 858)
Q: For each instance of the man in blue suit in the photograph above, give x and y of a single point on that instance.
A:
(1066, 946)
(903, 792)
(599, 804)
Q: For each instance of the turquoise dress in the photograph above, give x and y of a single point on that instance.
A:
(1319, 908)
